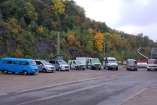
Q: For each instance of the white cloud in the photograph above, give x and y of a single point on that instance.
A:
(130, 16)
(101, 10)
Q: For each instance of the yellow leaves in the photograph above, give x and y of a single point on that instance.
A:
(41, 29)
(15, 31)
(58, 7)
(71, 40)
(98, 39)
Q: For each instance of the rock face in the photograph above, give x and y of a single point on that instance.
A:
(40, 46)
(75, 52)
(44, 46)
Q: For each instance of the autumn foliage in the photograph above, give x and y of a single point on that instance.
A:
(18, 53)
(71, 40)
(98, 41)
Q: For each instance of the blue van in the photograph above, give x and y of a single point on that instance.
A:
(25, 66)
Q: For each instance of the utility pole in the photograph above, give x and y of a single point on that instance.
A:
(104, 49)
(58, 43)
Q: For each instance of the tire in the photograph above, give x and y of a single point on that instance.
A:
(104, 67)
(5, 71)
(25, 72)
(32, 73)
(44, 70)
(59, 69)
(87, 67)
(117, 69)
(83, 69)
(147, 69)
(99, 68)
(13, 72)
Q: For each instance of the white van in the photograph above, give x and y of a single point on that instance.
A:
(110, 63)
(152, 64)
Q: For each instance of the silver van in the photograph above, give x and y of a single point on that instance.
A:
(45, 66)
(60, 65)
(131, 64)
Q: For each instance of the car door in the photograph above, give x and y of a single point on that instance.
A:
(40, 65)
(57, 64)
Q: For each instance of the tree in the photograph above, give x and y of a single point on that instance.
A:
(89, 47)
(30, 12)
(58, 7)
(71, 40)
(98, 41)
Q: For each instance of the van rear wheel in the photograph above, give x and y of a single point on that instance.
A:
(25, 72)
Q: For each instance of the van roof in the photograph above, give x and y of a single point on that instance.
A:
(131, 59)
(17, 59)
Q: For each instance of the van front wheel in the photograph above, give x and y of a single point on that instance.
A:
(5, 71)
(25, 72)
(44, 70)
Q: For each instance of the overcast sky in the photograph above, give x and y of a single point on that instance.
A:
(130, 16)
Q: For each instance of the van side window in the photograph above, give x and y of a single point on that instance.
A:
(4, 61)
(15, 62)
(53, 62)
(20, 63)
(57, 63)
(8, 62)
(38, 63)
(25, 63)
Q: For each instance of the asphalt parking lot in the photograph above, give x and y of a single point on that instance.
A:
(18, 82)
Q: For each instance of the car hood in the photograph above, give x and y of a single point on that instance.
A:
(49, 65)
(64, 65)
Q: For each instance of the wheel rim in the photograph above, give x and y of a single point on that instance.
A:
(25, 72)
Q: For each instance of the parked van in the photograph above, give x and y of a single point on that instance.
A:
(59, 63)
(131, 64)
(25, 66)
(45, 66)
(82, 59)
(76, 64)
(110, 63)
(93, 63)
(152, 64)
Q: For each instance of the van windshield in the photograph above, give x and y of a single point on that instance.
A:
(46, 63)
(62, 62)
(95, 60)
(132, 62)
(78, 62)
(112, 61)
(152, 61)
(32, 63)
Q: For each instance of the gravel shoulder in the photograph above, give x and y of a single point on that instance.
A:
(17, 82)
(146, 97)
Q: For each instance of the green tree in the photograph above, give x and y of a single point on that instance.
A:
(30, 12)
(89, 47)
(6, 34)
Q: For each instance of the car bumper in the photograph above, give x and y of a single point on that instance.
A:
(113, 67)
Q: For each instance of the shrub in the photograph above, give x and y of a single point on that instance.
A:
(18, 53)
(6, 34)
